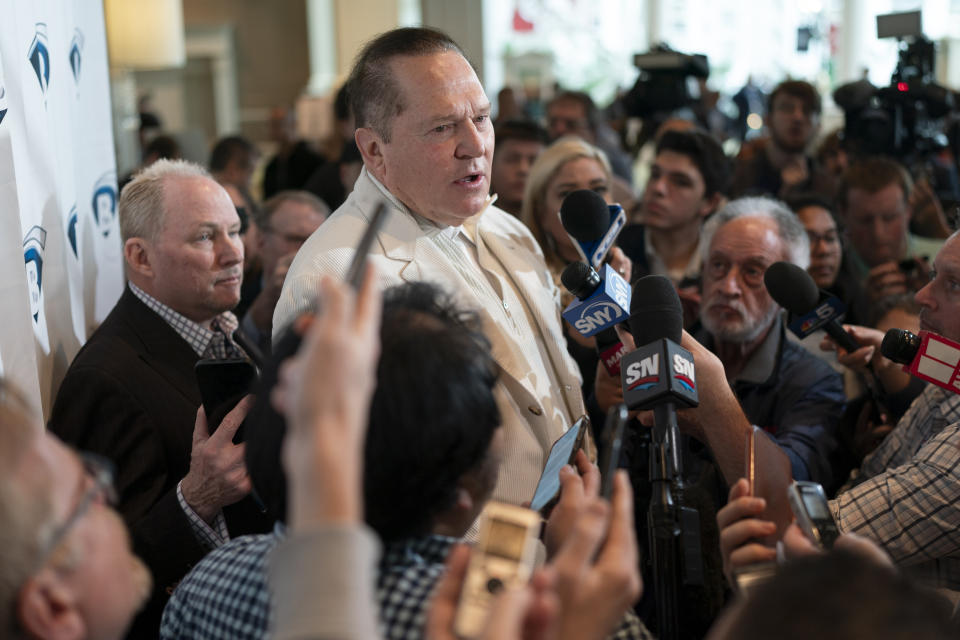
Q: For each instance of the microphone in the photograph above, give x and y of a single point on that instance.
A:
(927, 356)
(582, 281)
(659, 373)
(794, 289)
(592, 224)
(600, 303)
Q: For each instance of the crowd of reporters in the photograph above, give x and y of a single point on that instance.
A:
(388, 414)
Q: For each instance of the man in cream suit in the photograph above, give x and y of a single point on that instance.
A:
(426, 137)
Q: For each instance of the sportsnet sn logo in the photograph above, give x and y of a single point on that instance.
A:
(645, 374)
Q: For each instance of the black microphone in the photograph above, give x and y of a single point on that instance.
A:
(927, 356)
(659, 372)
(582, 280)
(592, 224)
(794, 289)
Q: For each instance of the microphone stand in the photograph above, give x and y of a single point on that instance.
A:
(674, 530)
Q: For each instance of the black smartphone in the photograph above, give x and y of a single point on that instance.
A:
(809, 504)
(610, 444)
(358, 267)
(223, 384)
(562, 452)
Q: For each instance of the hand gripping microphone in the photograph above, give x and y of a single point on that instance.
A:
(927, 356)
(599, 304)
(582, 281)
(592, 224)
(659, 375)
(794, 289)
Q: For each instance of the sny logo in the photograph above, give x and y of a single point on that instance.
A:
(598, 315)
(645, 374)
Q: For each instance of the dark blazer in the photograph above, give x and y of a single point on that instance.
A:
(131, 395)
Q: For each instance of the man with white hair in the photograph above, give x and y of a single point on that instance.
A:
(67, 569)
(783, 389)
(131, 394)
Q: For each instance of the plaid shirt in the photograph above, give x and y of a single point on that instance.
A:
(906, 495)
(226, 596)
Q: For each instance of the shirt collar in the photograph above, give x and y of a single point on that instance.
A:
(196, 335)
(428, 549)
(762, 363)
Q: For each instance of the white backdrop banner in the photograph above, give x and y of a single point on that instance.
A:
(58, 188)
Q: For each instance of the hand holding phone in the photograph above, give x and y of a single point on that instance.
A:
(809, 504)
(562, 453)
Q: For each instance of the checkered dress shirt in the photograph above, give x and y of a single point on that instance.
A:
(906, 495)
(226, 596)
(208, 344)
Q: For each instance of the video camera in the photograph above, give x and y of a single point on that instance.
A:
(905, 119)
(665, 81)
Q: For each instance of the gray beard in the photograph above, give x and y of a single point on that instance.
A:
(748, 333)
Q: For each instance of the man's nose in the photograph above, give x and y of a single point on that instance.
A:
(730, 282)
(472, 143)
(231, 250)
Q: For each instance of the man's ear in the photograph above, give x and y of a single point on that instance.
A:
(47, 608)
(136, 251)
(370, 145)
(712, 204)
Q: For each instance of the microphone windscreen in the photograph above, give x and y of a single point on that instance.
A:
(791, 287)
(585, 215)
(655, 311)
(580, 279)
(900, 346)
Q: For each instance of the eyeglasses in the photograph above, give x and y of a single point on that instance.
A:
(101, 471)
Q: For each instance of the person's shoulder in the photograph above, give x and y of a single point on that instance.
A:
(241, 560)
(800, 367)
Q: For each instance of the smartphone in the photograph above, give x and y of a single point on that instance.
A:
(503, 557)
(562, 452)
(809, 504)
(610, 445)
(750, 456)
(358, 266)
(223, 384)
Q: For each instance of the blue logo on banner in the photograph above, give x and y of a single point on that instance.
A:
(33, 245)
(72, 230)
(3, 103)
(104, 202)
(76, 51)
(39, 56)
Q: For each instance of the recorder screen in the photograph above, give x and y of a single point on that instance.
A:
(506, 539)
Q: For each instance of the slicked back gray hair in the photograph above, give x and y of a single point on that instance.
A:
(791, 232)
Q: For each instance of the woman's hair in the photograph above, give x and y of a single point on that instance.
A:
(547, 165)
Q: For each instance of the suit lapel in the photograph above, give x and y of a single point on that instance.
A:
(162, 348)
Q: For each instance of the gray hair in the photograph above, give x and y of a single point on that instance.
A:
(26, 509)
(265, 213)
(141, 201)
(791, 232)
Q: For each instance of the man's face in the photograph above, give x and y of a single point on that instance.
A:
(438, 159)
(108, 581)
(511, 166)
(568, 118)
(939, 300)
(576, 174)
(290, 226)
(197, 258)
(825, 251)
(736, 306)
(877, 224)
(674, 197)
(792, 125)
